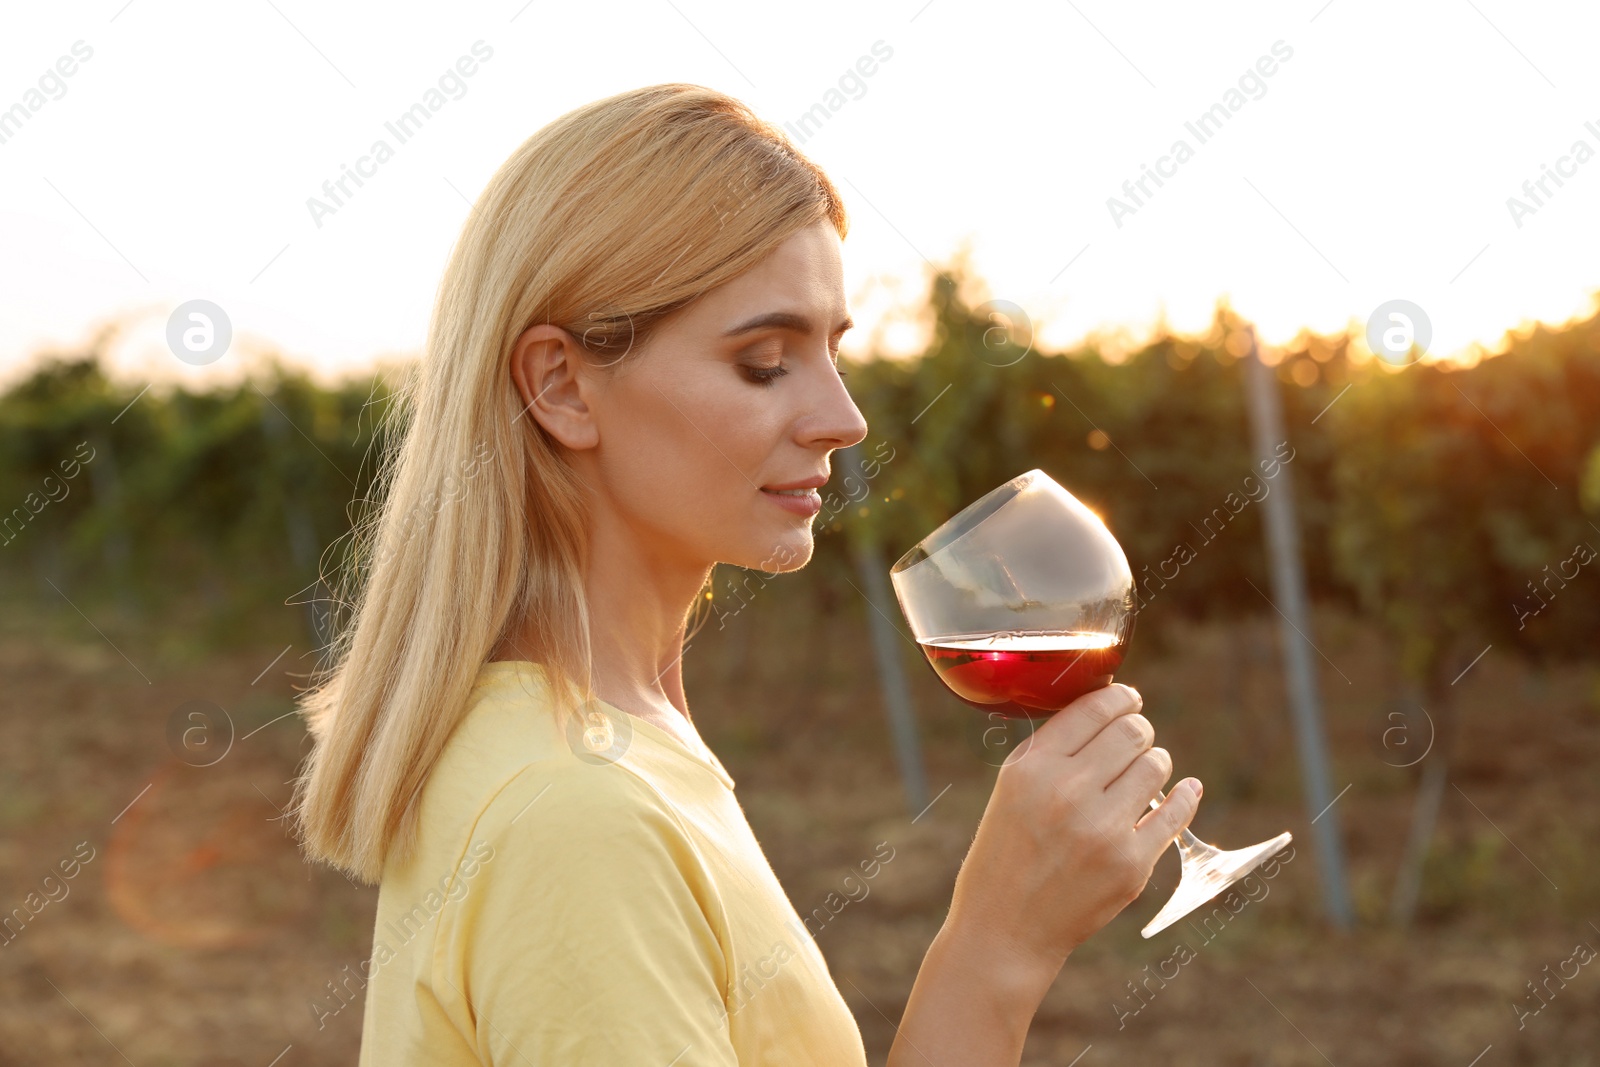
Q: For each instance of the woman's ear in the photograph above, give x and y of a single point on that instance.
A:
(556, 384)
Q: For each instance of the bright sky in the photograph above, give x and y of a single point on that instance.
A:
(1373, 163)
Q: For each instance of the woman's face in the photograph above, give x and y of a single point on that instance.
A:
(732, 397)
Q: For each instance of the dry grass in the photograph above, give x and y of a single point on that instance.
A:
(197, 936)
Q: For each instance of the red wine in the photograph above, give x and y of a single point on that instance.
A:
(1029, 674)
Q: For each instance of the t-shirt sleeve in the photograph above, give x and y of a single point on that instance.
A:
(591, 935)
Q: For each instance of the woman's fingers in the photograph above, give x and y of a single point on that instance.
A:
(1074, 726)
(1112, 751)
(1137, 786)
(1160, 825)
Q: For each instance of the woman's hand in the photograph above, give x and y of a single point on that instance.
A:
(1068, 839)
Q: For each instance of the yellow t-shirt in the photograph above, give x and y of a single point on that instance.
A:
(596, 898)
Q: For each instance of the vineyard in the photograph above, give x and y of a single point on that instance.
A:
(1451, 507)
(1445, 513)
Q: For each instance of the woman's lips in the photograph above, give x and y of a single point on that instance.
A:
(805, 502)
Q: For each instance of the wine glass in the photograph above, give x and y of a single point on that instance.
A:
(1022, 602)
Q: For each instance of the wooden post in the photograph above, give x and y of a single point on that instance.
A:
(882, 609)
(1300, 668)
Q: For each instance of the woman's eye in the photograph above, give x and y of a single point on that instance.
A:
(766, 375)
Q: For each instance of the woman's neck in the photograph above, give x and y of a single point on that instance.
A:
(638, 602)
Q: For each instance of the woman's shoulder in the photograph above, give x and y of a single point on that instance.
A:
(564, 831)
(512, 762)
(509, 722)
(511, 739)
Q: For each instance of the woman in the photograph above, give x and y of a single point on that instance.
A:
(630, 377)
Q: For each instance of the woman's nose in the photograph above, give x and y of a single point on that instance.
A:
(836, 421)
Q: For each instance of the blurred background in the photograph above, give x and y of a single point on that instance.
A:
(1408, 679)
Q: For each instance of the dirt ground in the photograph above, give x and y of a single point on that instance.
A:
(190, 931)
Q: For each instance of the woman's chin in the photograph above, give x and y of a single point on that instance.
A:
(788, 554)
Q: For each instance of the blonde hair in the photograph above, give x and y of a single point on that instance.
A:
(604, 222)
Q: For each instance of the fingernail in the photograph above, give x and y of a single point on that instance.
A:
(1194, 786)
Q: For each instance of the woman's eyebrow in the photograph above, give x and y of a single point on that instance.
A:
(786, 320)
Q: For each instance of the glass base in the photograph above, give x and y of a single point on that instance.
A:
(1207, 871)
